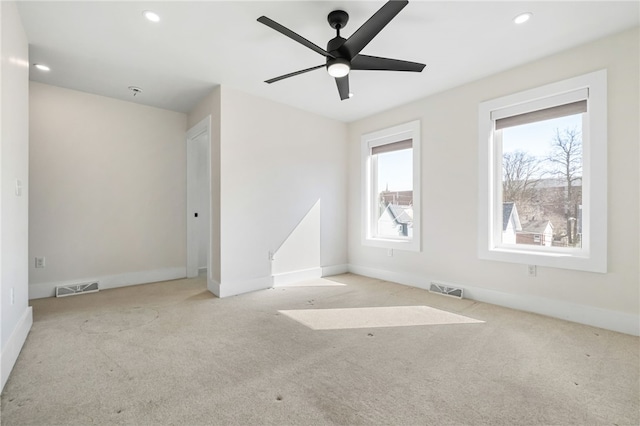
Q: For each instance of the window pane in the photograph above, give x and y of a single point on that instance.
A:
(542, 183)
(394, 194)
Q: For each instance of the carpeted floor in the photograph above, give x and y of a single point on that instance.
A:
(172, 353)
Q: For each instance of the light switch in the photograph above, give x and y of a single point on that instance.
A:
(18, 188)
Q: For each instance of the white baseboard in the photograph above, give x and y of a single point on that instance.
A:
(391, 276)
(287, 278)
(597, 317)
(40, 290)
(330, 270)
(11, 350)
(213, 286)
(227, 289)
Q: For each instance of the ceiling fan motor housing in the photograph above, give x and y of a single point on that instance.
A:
(334, 47)
(340, 64)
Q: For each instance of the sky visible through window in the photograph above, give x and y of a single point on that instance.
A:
(536, 138)
(395, 169)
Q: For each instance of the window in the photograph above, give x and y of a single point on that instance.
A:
(543, 176)
(391, 187)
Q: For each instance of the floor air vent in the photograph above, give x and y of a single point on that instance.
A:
(73, 289)
(446, 290)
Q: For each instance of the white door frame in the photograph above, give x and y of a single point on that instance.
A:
(203, 127)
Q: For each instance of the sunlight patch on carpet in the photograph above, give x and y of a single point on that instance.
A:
(389, 316)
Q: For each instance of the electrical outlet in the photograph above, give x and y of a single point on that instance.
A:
(40, 263)
(390, 252)
(532, 270)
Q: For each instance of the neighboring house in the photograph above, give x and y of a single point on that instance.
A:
(536, 232)
(550, 202)
(400, 198)
(396, 221)
(510, 223)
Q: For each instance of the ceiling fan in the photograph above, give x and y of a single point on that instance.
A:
(343, 55)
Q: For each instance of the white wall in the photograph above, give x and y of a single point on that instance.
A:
(276, 163)
(108, 190)
(15, 314)
(450, 196)
(298, 257)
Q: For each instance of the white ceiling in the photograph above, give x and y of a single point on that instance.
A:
(104, 47)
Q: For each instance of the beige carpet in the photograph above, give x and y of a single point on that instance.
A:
(171, 353)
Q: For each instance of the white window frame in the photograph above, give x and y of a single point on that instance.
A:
(592, 256)
(387, 136)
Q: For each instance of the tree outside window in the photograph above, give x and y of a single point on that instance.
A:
(542, 176)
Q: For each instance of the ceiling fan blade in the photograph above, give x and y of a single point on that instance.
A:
(286, 31)
(282, 77)
(343, 87)
(364, 62)
(373, 26)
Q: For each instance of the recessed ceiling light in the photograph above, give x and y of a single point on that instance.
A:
(151, 16)
(522, 18)
(350, 95)
(42, 67)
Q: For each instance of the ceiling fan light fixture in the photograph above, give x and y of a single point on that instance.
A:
(338, 67)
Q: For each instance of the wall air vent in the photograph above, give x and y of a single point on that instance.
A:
(446, 290)
(73, 289)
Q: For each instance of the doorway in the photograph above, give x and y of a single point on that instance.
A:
(199, 198)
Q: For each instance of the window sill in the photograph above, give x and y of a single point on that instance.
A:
(573, 261)
(407, 245)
